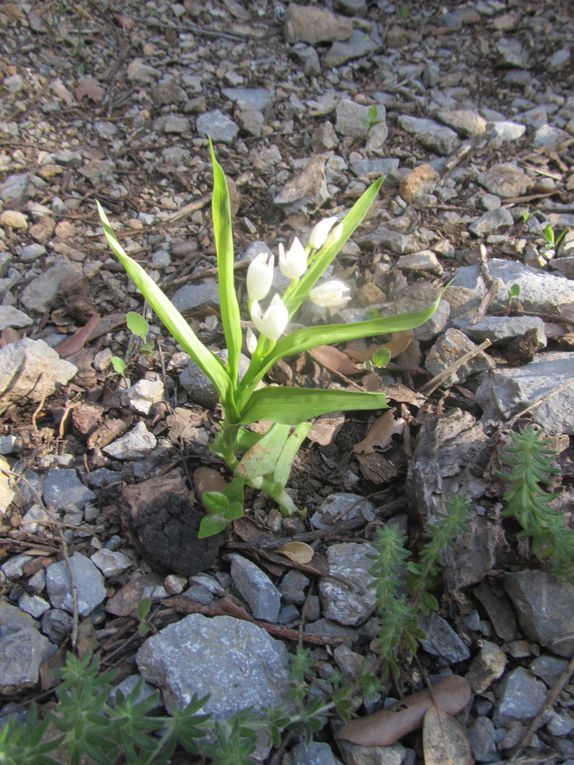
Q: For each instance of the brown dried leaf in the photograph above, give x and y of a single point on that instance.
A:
(444, 740)
(298, 552)
(380, 433)
(398, 344)
(334, 360)
(108, 432)
(387, 726)
(207, 479)
(125, 601)
(402, 394)
(90, 87)
(183, 424)
(87, 640)
(76, 342)
(326, 428)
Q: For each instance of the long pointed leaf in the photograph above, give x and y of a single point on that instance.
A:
(261, 459)
(230, 315)
(289, 452)
(168, 314)
(295, 295)
(294, 405)
(329, 334)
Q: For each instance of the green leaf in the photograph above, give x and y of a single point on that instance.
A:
(168, 314)
(215, 502)
(381, 357)
(261, 459)
(230, 315)
(234, 511)
(119, 365)
(294, 405)
(514, 291)
(297, 293)
(234, 490)
(289, 452)
(137, 325)
(144, 607)
(211, 525)
(329, 334)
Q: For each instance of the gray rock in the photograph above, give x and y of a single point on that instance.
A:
(437, 138)
(172, 123)
(340, 507)
(357, 46)
(251, 121)
(63, 487)
(522, 696)
(39, 295)
(33, 605)
(218, 126)
(353, 119)
(306, 23)
(255, 587)
(111, 562)
(486, 667)
(31, 369)
(199, 387)
(144, 394)
(511, 52)
(507, 131)
(13, 568)
(22, 650)
(308, 187)
(193, 297)
(327, 628)
(293, 586)
(504, 328)
(540, 292)
(395, 241)
(8, 444)
(140, 72)
(128, 685)
(515, 388)
(234, 661)
(353, 754)
(549, 137)
(424, 261)
(363, 168)
(548, 668)
(353, 603)
(492, 222)
(57, 625)
(314, 753)
(448, 349)
(482, 739)
(12, 317)
(32, 252)
(560, 724)
(137, 443)
(248, 99)
(15, 187)
(505, 180)
(168, 92)
(441, 640)
(545, 609)
(560, 59)
(89, 583)
(466, 122)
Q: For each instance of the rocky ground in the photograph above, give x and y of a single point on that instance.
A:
(468, 110)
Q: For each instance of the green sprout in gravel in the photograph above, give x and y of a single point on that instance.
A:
(264, 461)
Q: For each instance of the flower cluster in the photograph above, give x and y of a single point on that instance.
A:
(293, 263)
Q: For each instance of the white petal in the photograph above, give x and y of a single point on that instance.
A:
(320, 232)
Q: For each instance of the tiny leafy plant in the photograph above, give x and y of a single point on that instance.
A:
(139, 326)
(404, 587)
(94, 723)
(119, 365)
(264, 461)
(530, 467)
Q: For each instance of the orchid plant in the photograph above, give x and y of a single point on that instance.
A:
(264, 461)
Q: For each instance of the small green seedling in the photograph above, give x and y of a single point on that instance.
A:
(119, 366)
(143, 611)
(372, 116)
(139, 327)
(222, 508)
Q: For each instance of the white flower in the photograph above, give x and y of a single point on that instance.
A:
(260, 276)
(251, 341)
(293, 263)
(331, 294)
(273, 322)
(321, 232)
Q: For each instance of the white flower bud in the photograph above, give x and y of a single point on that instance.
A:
(272, 323)
(260, 276)
(293, 263)
(331, 294)
(250, 341)
(321, 232)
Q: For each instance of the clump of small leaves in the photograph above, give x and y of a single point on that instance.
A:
(531, 467)
(403, 586)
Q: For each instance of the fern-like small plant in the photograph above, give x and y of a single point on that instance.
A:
(531, 466)
(403, 587)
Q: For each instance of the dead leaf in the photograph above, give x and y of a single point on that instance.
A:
(444, 740)
(62, 92)
(326, 428)
(387, 726)
(76, 342)
(299, 552)
(90, 87)
(334, 360)
(87, 640)
(380, 433)
(376, 469)
(207, 479)
(125, 601)
(108, 432)
(401, 394)
(183, 424)
(50, 668)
